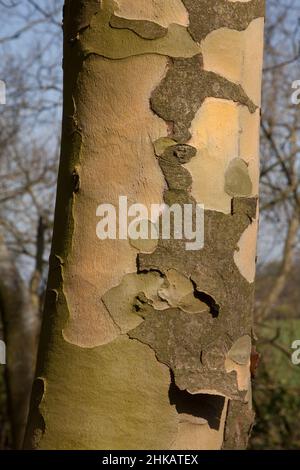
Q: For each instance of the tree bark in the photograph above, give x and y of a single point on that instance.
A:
(145, 344)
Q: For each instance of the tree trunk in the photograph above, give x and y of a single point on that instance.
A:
(285, 268)
(21, 324)
(146, 343)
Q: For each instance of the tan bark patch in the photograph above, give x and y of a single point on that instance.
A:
(200, 436)
(160, 11)
(245, 255)
(242, 373)
(219, 132)
(231, 54)
(118, 128)
(238, 360)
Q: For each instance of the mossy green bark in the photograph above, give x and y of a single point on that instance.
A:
(117, 398)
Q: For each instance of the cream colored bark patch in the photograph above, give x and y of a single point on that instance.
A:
(222, 131)
(233, 55)
(159, 11)
(238, 360)
(245, 255)
(193, 435)
(249, 145)
(242, 374)
(118, 128)
(240, 350)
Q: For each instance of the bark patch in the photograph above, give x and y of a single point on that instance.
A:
(144, 29)
(184, 89)
(207, 16)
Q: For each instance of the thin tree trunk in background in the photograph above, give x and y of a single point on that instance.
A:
(21, 323)
(287, 262)
(285, 269)
(145, 344)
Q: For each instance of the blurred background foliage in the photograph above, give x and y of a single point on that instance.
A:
(31, 56)
(276, 387)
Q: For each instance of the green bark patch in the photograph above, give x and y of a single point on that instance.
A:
(144, 29)
(107, 41)
(37, 425)
(237, 179)
(178, 291)
(241, 350)
(160, 145)
(120, 299)
(124, 403)
(182, 92)
(207, 16)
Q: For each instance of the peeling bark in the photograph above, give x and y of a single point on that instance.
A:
(147, 345)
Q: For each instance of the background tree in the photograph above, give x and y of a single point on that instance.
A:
(29, 139)
(276, 391)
